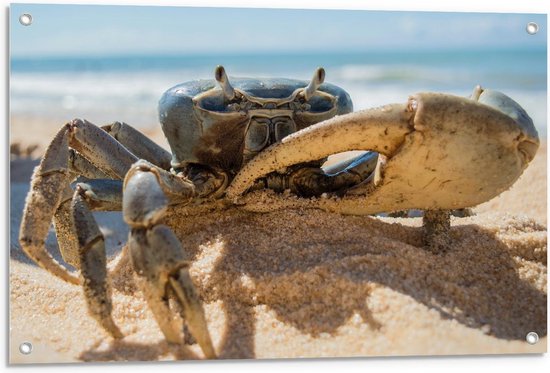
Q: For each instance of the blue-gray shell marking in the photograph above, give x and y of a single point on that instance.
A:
(221, 145)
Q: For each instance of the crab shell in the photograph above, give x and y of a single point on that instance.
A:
(443, 152)
(205, 122)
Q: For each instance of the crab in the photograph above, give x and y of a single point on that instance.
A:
(232, 141)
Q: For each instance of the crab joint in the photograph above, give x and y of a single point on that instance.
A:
(143, 201)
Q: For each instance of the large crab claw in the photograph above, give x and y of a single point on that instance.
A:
(443, 152)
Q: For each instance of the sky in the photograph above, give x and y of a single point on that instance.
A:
(84, 30)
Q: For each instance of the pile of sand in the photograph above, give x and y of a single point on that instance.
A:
(310, 284)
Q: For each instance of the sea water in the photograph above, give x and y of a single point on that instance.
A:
(127, 88)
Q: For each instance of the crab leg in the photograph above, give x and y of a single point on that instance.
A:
(436, 225)
(50, 181)
(309, 181)
(152, 280)
(93, 265)
(99, 195)
(102, 194)
(65, 230)
(192, 310)
(139, 144)
(157, 255)
(80, 166)
(93, 143)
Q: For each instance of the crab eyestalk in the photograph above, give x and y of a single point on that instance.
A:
(227, 88)
(316, 81)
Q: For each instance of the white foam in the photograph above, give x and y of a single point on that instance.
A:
(133, 96)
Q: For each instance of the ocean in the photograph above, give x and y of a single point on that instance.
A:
(127, 88)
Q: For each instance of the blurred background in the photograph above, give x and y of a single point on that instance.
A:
(107, 63)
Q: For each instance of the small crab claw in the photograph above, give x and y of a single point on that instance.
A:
(93, 265)
(158, 257)
(317, 79)
(227, 88)
(443, 152)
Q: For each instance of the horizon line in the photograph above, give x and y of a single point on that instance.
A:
(167, 54)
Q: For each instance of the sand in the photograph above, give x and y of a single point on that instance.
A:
(306, 283)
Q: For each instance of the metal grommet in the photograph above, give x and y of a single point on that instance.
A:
(25, 348)
(532, 28)
(532, 338)
(25, 19)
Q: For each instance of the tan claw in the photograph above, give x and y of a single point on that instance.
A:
(443, 152)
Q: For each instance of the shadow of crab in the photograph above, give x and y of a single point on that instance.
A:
(315, 271)
(121, 350)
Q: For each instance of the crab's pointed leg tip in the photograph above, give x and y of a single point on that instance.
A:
(194, 312)
(39, 255)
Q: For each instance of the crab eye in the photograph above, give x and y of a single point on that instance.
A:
(257, 135)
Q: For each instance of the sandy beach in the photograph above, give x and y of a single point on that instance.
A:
(304, 283)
